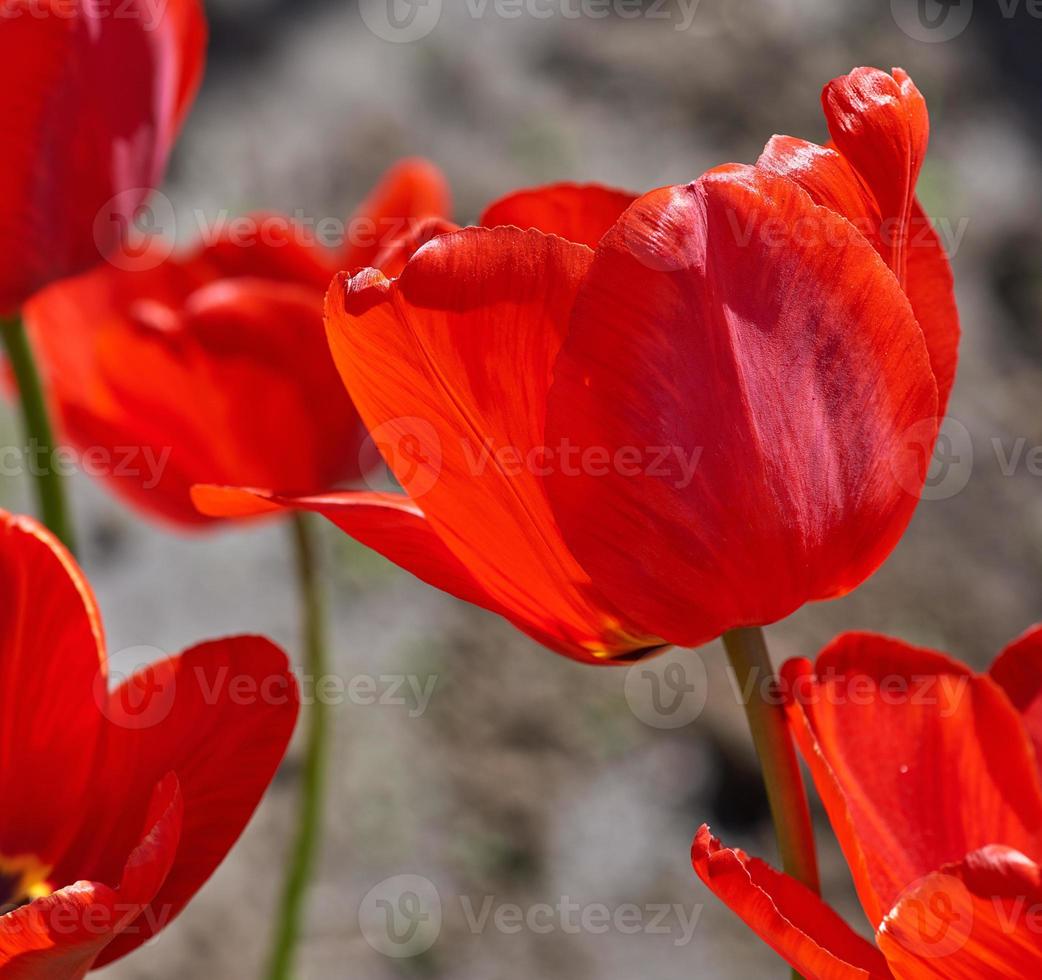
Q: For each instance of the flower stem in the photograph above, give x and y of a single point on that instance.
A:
(751, 663)
(312, 790)
(39, 435)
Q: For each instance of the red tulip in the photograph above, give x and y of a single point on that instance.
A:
(95, 100)
(448, 365)
(737, 325)
(117, 805)
(930, 776)
(215, 367)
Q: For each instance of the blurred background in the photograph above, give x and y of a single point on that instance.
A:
(490, 772)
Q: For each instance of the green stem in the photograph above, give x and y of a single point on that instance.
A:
(39, 436)
(312, 790)
(747, 651)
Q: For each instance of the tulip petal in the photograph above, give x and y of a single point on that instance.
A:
(581, 213)
(274, 247)
(393, 259)
(832, 182)
(426, 360)
(61, 936)
(1018, 671)
(761, 362)
(880, 124)
(977, 918)
(898, 739)
(787, 916)
(410, 192)
(389, 523)
(267, 405)
(220, 715)
(52, 666)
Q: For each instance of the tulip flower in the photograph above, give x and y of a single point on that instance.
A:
(803, 353)
(930, 777)
(150, 783)
(214, 367)
(101, 98)
(95, 100)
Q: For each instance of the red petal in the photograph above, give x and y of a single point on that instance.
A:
(761, 361)
(392, 260)
(272, 246)
(931, 291)
(52, 666)
(99, 102)
(388, 523)
(220, 716)
(425, 358)
(880, 124)
(917, 760)
(60, 937)
(787, 916)
(580, 213)
(972, 920)
(832, 181)
(267, 405)
(1018, 671)
(410, 192)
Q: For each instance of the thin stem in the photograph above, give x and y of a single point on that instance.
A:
(39, 435)
(747, 651)
(312, 790)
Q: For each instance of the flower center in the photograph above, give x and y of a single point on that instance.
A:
(22, 879)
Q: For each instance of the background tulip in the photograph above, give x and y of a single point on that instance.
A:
(100, 102)
(215, 366)
(931, 784)
(154, 780)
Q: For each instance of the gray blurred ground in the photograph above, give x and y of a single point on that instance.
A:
(529, 778)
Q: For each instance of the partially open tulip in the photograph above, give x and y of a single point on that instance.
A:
(798, 356)
(214, 367)
(119, 801)
(930, 776)
(95, 98)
